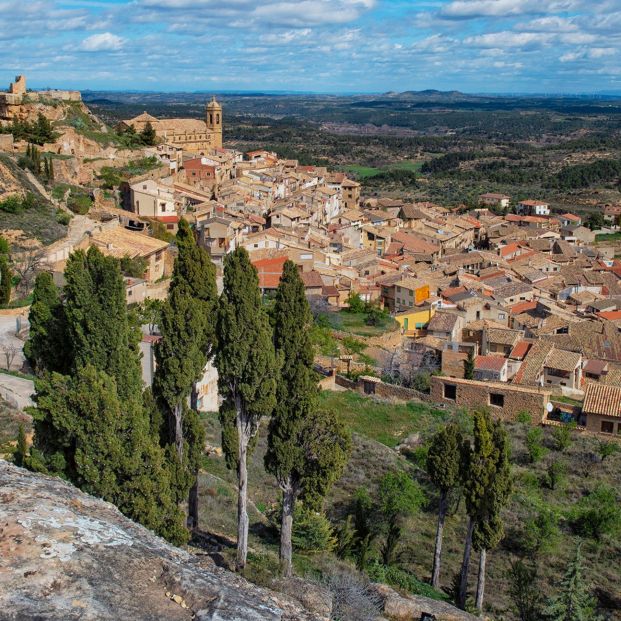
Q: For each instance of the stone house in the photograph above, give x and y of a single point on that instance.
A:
(505, 401)
(602, 407)
(120, 242)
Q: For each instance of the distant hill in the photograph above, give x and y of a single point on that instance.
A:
(431, 95)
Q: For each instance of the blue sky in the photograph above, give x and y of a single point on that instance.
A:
(314, 45)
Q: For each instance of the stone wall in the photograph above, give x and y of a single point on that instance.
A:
(503, 400)
(375, 386)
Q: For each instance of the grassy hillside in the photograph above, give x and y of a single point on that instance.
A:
(377, 427)
(39, 222)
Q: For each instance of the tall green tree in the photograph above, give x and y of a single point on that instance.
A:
(181, 357)
(443, 467)
(399, 497)
(247, 372)
(307, 450)
(91, 426)
(193, 292)
(524, 591)
(100, 331)
(489, 528)
(5, 280)
(477, 468)
(47, 349)
(573, 602)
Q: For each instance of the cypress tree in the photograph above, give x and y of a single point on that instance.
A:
(296, 399)
(91, 426)
(47, 348)
(574, 602)
(187, 327)
(443, 467)
(100, 330)
(469, 365)
(477, 467)
(307, 449)
(488, 528)
(247, 372)
(21, 450)
(5, 280)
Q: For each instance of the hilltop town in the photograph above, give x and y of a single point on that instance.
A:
(507, 306)
(529, 294)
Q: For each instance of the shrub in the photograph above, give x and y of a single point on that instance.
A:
(312, 531)
(606, 449)
(598, 514)
(402, 579)
(555, 475)
(534, 444)
(541, 532)
(353, 598)
(355, 303)
(562, 438)
(524, 418)
(421, 381)
(79, 203)
(62, 217)
(134, 267)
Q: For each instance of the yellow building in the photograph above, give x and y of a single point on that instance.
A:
(415, 319)
(192, 135)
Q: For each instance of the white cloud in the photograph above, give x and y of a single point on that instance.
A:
(103, 42)
(508, 38)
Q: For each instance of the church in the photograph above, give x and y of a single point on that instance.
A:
(191, 135)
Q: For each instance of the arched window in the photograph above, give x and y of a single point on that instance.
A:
(217, 119)
(211, 118)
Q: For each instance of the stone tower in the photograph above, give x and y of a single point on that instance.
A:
(19, 86)
(213, 118)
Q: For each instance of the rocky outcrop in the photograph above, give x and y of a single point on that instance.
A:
(65, 555)
(398, 607)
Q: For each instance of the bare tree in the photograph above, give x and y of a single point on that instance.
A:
(27, 265)
(9, 351)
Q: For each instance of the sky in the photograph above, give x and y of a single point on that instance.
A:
(476, 46)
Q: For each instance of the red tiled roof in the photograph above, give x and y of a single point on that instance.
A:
(312, 279)
(269, 271)
(509, 249)
(523, 307)
(610, 315)
(520, 350)
(571, 216)
(490, 363)
(602, 399)
(173, 219)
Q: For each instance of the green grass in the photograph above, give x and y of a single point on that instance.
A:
(355, 323)
(382, 421)
(608, 237)
(19, 302)
(364, 172)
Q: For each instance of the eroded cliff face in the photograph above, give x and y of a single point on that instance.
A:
(65, 555)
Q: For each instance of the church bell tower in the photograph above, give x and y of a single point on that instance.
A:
(213, 119)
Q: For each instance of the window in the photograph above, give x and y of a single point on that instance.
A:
(501, 315)
(607, 426)
(496, 399)
(450, 391)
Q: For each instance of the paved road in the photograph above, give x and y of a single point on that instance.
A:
(16, 391)
(9, 339)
